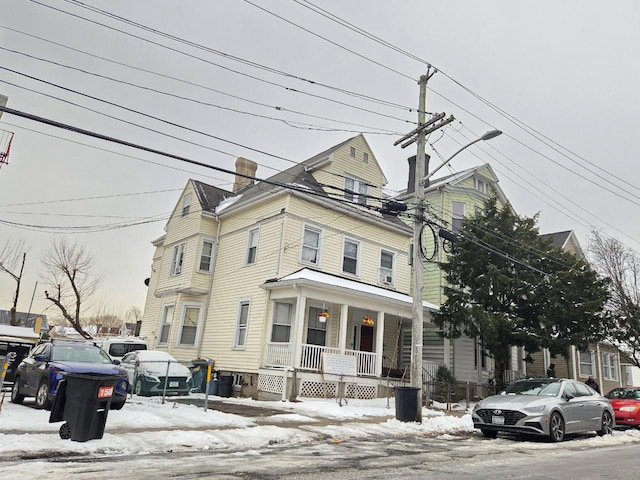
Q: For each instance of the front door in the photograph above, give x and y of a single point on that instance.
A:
(366, 338)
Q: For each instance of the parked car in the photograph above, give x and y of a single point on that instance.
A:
(626, 405)
(551, 407)
(39, 374)
(152, 372)
(118, 347)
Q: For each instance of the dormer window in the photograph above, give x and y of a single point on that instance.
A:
(186, 204)
(355, 190)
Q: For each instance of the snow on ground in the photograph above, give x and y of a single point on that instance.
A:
(145, 425)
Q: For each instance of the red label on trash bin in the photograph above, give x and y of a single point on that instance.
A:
(105, 392)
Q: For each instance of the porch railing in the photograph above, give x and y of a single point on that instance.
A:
(280, 355)
(312, 356)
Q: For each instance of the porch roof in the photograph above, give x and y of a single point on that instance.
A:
(307, 276)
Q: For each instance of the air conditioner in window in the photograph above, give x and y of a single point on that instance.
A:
(388, 279)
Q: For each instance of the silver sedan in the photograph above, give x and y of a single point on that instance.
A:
(550, 407)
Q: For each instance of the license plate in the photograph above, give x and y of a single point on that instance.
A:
(174, 384)
(497, 420)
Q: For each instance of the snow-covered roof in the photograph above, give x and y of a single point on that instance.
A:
(20, 332)
(314, 276)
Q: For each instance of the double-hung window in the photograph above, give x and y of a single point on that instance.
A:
(190, 325)
(316, 330)
(386, 267)
(186, 204)
(311, 245)
(206, 255)
(350, 256)
(242, 323)
(355, 191)
(165, 325)
(178, 258)
(252, 246)
(281, 330)
(585, 365)
(457, 209)
(609, 366)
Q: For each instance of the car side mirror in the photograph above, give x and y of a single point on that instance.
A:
(40, 358)
(567, 396)
(116, 361)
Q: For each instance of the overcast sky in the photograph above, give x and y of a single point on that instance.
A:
(280, 81)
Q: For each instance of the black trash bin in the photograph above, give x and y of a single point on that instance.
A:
(83, 401)
(225, 385)
(407, 404)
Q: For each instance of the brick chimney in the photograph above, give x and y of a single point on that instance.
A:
(411, 183)
(244, 167)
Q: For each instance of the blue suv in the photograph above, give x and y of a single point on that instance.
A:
(39, 373)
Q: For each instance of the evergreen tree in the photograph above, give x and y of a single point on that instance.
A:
(509, 287)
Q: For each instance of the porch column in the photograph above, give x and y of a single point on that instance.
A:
(379, 343)
(342, 332)
(298, 329)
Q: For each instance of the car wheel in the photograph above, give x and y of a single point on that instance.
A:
(489, 433)
(139, 388)
(16, 396)
(117, 405)
(606, 424)
(42, 395)
(65, 431)
(556, 427)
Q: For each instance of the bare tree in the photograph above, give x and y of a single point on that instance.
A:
(104, 319)
(622, 265)
(71, 280)
(12, 259)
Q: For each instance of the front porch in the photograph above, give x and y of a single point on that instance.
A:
(312, 314)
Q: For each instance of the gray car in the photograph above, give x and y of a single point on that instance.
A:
(551, 407)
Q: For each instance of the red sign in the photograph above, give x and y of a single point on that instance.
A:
(105, 392)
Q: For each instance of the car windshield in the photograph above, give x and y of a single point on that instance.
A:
(79, 353)
(533, 387)
(626, 393)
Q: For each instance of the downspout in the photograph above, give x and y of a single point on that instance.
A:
(599, 366)
(208, 300)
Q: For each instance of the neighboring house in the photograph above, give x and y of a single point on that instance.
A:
(25, 320)
(267, 278)
(448, 201)
(602, 360)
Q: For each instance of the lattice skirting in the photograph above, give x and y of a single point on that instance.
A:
(321, 390)
(270, 383)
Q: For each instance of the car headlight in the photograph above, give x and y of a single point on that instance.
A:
(629, 408)
(536, 409)
(151, 378)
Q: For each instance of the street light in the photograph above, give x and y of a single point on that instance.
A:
(417, 328)
(487, 136)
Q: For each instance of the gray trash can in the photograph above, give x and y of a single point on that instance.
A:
(214, 386)
(407, 404)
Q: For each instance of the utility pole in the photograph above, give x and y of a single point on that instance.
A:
(419, 136)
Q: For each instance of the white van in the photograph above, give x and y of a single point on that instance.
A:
(118, 347)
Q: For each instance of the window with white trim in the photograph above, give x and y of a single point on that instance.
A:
(186, 204)
(457, 215)
(350, 256)
(206, 256)
(386, 267)
(316, 330)
(242, 322)
(585, 364)
(252, 246)
(281, 330)
(610, 366)
(311, 245)
(165, 324)
(190, 325)
(355, 190)
(352, 151)
(482, 186)
(365, 157)
(178, 258)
